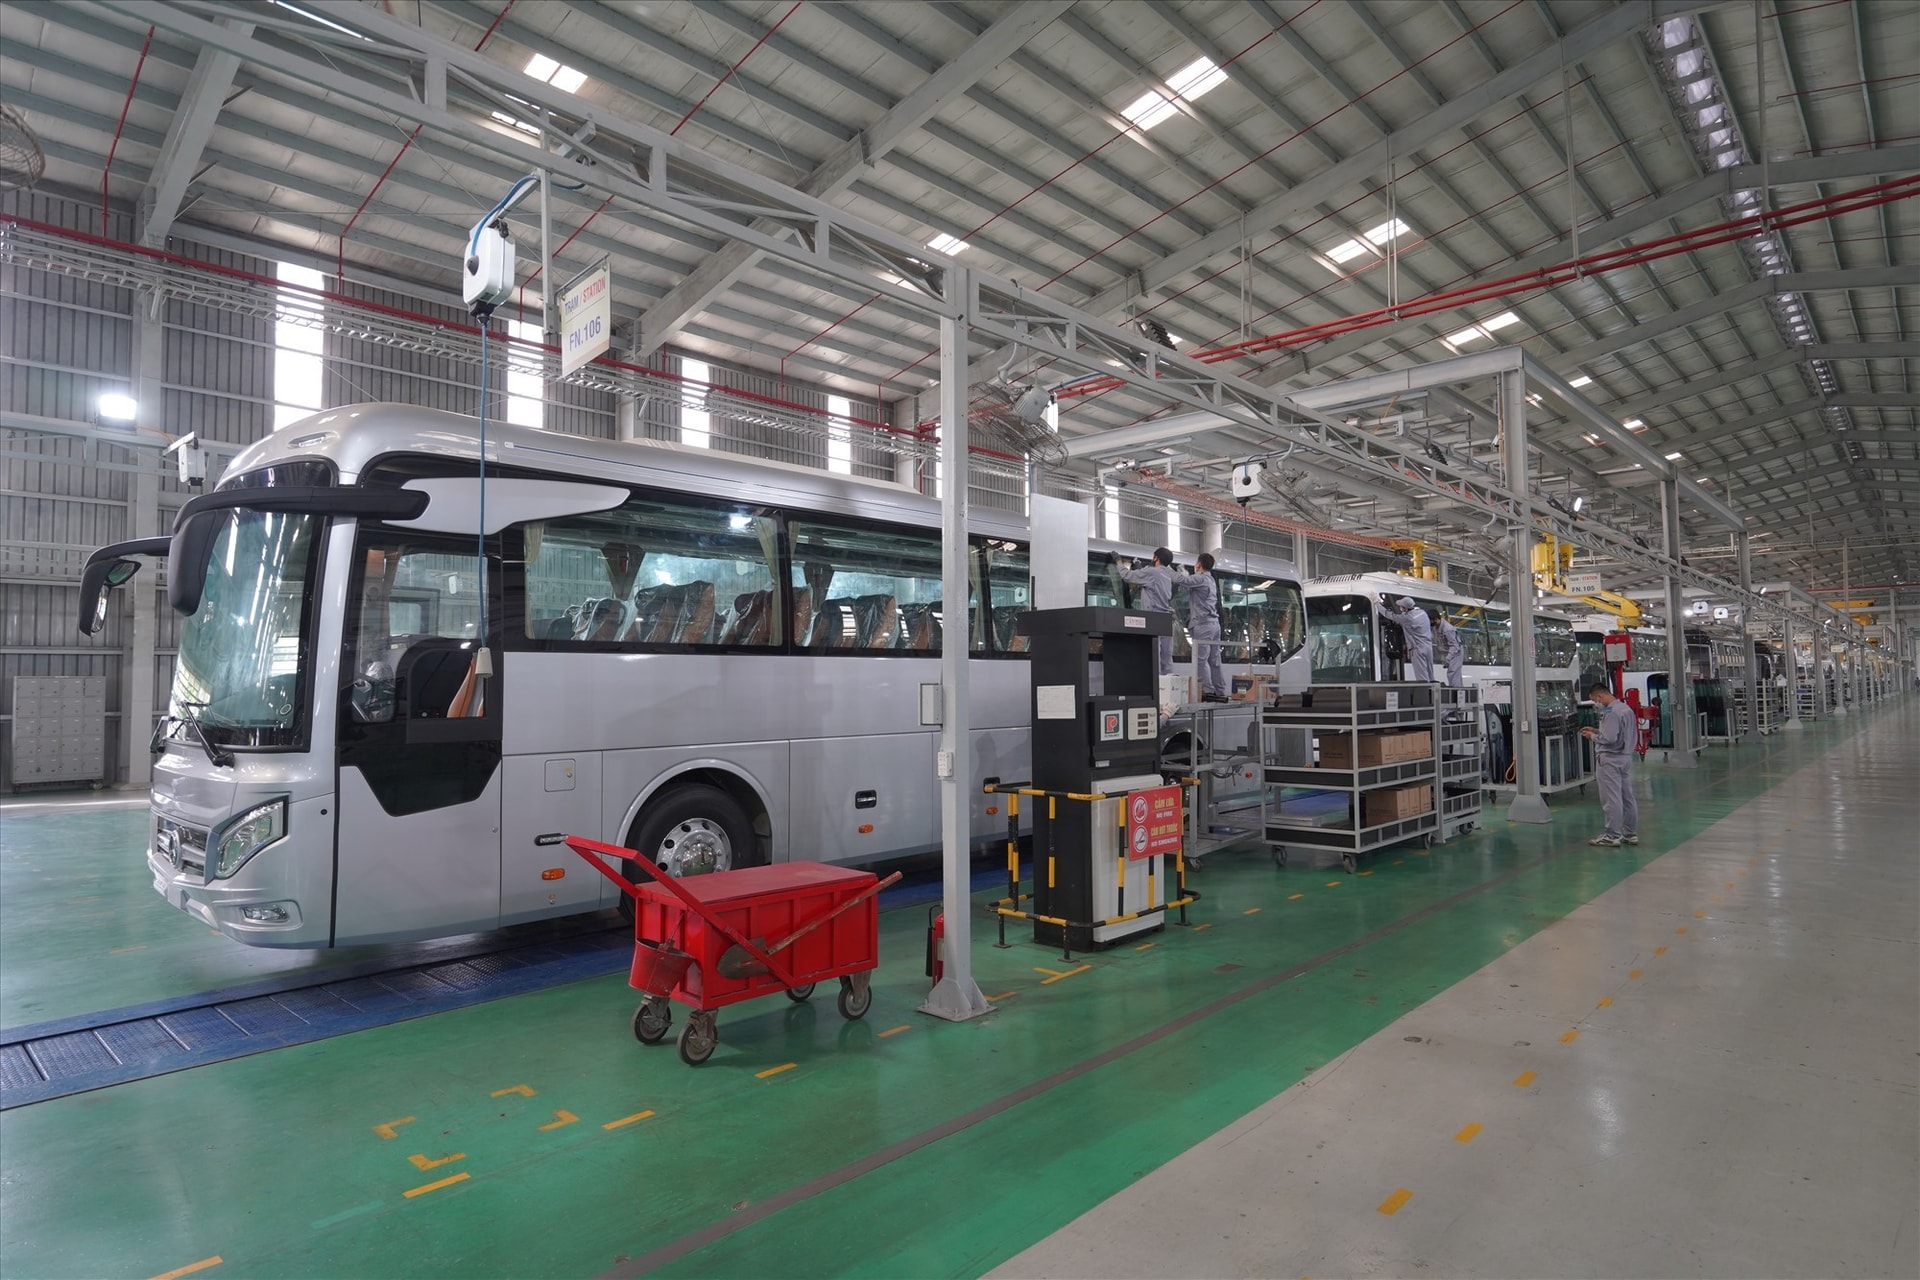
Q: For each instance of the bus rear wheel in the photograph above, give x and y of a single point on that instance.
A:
(693, 830)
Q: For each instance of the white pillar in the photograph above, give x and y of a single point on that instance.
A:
(956, 997)
(1679, 682)
(1528, 804)
(1793, 672)
(143, 521)
(1751, 654)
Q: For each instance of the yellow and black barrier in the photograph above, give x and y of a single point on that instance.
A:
(1009, 907)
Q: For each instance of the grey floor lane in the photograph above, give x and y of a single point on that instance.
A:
(1713, 1069)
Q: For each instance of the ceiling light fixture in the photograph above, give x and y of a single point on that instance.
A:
(1188, 83)
(952, 246)
(557, 74)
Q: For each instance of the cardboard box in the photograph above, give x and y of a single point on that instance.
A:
(1390, 804)
(1377, 747)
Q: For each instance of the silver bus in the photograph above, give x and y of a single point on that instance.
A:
(713, 659)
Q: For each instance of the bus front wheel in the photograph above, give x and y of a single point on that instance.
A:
(693, 830)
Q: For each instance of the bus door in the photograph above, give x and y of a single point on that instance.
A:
(417, 849)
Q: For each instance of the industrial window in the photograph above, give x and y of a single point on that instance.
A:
(299, 342)
(865, 588)
(655, 572)
(526, 388)
(696, 425)
(1188, 83)
(840, 435)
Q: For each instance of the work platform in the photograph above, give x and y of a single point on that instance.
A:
(454, 1143)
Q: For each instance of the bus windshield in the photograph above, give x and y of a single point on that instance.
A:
(244, 654)
(1553, 642)
(1341, 630)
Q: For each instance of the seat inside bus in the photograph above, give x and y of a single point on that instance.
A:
(431, 673)
(751, 621)
(920, 625)
(1005, 618)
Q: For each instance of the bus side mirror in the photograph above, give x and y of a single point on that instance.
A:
(107, 568)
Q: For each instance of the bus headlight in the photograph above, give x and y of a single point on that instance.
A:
(236, 840)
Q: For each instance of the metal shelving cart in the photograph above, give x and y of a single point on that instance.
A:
(1462, 749)
(1325, 806)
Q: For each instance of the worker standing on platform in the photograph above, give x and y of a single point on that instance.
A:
(1613, 743)
(1203, 624)
(1448, 648)
(1155, 581)
(1419, 633)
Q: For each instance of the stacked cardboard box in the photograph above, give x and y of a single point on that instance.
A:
(1391, 746)
(1390, 804)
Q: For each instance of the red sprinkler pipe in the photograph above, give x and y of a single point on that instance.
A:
(107, 172)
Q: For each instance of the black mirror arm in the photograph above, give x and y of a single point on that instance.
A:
(96, 577)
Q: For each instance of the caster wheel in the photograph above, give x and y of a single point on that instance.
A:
(800, 995)
(1279, 857)
(651, 1020)
(698, 1038)
(856, 997)
(1348, 861)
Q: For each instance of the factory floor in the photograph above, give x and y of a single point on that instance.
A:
(1511, 1055)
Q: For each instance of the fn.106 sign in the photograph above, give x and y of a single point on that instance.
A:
(586, 316)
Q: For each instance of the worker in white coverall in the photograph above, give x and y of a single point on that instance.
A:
(1419, 633)
(1155, 583)
(1448, 648)
(1613, 743)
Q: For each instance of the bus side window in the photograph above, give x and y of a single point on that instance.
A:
(885, 585)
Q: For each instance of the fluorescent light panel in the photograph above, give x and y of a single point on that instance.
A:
(1581, 381)
(950, 245)
(557, 74)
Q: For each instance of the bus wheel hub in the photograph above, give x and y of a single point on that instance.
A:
(694, 848)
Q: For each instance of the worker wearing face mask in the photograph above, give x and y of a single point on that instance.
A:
(1448, 648)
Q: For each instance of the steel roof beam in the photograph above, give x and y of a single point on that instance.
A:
(187, 135)
(849, 161)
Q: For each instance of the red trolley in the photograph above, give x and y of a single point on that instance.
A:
(717, 939)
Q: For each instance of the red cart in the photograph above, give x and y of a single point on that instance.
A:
(717, 939)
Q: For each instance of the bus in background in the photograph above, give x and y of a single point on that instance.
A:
(1350, 639)
(715, 659)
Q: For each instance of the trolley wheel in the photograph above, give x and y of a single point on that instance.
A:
(856, 997)
(1348, 861)
(651, 1020)
(1279, 857)
(801, 994)
(698, 1038)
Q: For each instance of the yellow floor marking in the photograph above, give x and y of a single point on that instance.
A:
(423, 1164)
(120, 951)
(1636, 973)
(1295, 897)
(774, 1071)
(524, 1090)
(1714, 898)
(435, 1186)
(1392, 1204)
(1729, 884)
(1573, 1033)
(561, 1119)
(190, 1268)
(1399, 862)
(1197, 928)
(1659, 951)
(626, 1120)
(1251, 911)
(1004, 995)
(1367, 872)
(1736, 876)
(1681, 929)
(1068, 974)
(387, 1130)
(1525, 1078)
(1467, 1134)
(1146, 946)
(894, 1031)
(1335, 884)
(1699, 915)
(1605, 1001)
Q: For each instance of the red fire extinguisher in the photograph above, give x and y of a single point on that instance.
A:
(936, 943)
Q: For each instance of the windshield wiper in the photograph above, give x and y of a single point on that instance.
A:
(221, 757)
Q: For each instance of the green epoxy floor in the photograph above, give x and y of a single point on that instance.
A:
(275, 1164)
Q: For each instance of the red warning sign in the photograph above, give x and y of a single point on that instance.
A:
(1154, 822)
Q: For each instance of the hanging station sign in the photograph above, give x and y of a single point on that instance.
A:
(1583, 584)
(586, 316)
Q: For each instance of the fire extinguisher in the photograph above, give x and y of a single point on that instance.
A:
(936, 943)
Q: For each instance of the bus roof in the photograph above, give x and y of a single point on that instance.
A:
(1396, 585)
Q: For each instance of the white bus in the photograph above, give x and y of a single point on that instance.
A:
(714, 659)
(1350, 639)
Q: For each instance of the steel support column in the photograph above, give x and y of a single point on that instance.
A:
(956, 997)
(1679, 681)
(1749, 654)
(1793, 671)
(143, 521)
(1528, 804)
(1816, 673)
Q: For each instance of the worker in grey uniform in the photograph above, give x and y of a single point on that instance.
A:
(1419, 633)
(1448, 648)
(1613, 743)
(1203, 623)
(1155, 583)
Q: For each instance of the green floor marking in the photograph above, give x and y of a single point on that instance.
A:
(271, 1161)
